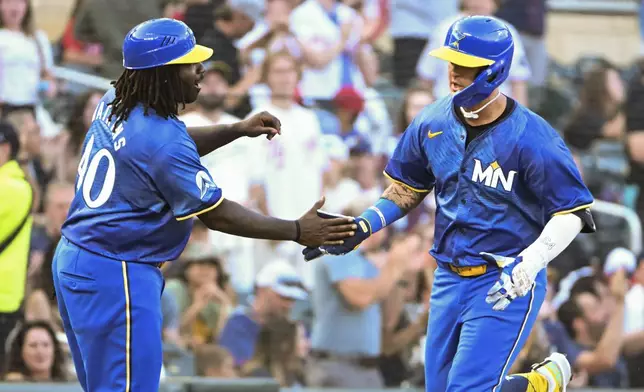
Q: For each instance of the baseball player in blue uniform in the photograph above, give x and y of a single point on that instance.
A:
(509, 200)
(140, 182)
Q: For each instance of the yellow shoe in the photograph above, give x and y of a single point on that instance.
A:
(556, 369)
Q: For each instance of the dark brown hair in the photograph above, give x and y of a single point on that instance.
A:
(402, 113)
(276, 349)
(209, 356)
(594, 96)
(15, 361)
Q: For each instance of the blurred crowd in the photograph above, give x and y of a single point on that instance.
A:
(234, 307)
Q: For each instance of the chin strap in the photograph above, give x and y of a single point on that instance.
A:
(474, 114)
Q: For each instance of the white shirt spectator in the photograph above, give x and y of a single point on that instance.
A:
(634, 309)
(231, 169)
(347, 190)
(229, 165)
(22, 60)
(291, 166)
(312, 25)
(436, 70)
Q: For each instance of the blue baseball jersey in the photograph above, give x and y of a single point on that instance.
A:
(138, 185)
(496, 194)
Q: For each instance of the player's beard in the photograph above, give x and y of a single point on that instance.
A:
(210, 102)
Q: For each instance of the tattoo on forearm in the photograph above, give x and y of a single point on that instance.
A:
(548, 242)
(404, 197)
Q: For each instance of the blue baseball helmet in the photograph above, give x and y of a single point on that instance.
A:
(159, 42)
(478, 41)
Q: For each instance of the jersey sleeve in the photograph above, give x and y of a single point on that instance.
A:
(553, 177)
(408, 164)
(183, 182)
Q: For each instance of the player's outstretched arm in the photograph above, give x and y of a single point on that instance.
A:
(396, 202)
(210, 138)
(310, 230)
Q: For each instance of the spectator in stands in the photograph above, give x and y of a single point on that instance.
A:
(29, 156)
(35, 355)
(405, 315)
(276, 354)
(79, 55)
(365, 57)
(415, 100)
(15, 215)
(233, 20)
(339, 189)
(529, 17)
(296, 160)
(375, 15)
(43, 236)
(330, 34)
(412, 25)
(25, 59)
(277, 288)
(433, 72)
(365, 169)
(214, 361)
(635, 135)
(203, 303)
(69, 144)
(348, 104)
(198, 15)
(347, 295)
(595, 332)
(270, 36)
(40, 303)
(634, 301)
(107, 22)
(600, 114)
(171, 316)
(230, 165)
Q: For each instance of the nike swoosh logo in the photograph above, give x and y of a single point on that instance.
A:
(433, 135)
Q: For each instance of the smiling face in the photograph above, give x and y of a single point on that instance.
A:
(191, 76)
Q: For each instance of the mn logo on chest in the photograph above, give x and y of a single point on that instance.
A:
(493, 175)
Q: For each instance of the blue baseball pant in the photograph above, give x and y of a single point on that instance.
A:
(471, 347)
(111, 312)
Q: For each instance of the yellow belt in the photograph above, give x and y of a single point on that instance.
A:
(469, 272)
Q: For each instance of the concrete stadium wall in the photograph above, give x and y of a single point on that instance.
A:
(570, 35)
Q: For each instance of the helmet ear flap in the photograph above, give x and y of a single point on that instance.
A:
(484, 83)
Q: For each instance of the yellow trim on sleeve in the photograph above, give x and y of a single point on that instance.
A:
(573, 209)
(212, 207)
(405, 185)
